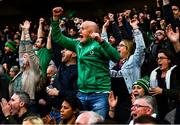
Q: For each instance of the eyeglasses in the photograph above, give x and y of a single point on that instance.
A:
(161, 58)
(139, 106)
(159, 34)
(174, 9)
(122, 45)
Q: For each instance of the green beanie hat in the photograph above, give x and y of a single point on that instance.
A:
(14, 69)
(144, 83)
(11, 45)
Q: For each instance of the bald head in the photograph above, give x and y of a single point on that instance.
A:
(92, 26)
(88, 118)
(51, 70)
(86, 29)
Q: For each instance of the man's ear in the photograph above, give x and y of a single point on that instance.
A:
(21, 104)
(43, 44)
(169, 61)
(74, 54)
(149, 111)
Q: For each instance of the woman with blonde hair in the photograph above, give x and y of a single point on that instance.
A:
(125, 72)
(32, 120)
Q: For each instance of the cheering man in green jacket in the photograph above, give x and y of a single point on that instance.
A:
(93, 55)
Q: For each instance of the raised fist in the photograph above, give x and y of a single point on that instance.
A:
(41, 20)
(111, 16)
(134, 23)
(26, 25)
(57, 11)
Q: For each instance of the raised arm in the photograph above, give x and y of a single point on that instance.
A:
(173, 37)
(57, 12)
(57, 36)
(24, 36)
(168, 14)
(112, 99)
(49, 40)
(158, 3)
(104, 34)
(25, 30)
(165, 2)
(26, 47)
(139, 53)
(41, 32)
(115, 29)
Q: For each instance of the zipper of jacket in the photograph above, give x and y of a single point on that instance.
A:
(82, 66)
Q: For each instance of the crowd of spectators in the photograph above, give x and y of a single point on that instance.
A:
(77, 71)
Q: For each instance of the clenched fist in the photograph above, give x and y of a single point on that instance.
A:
(57, 11)
(41, 20)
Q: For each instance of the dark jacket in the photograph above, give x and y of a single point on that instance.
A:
(65, 82)
(4, 84)
(10, 59)
(169, 98)
(15, 119)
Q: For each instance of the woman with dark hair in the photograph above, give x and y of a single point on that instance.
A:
(70, 109)
(164, 82)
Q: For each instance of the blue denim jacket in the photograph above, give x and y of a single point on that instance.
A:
(131, 69)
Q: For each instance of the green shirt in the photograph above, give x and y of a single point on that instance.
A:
(44, 55)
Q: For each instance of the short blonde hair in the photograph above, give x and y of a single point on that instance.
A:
(35, 120)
